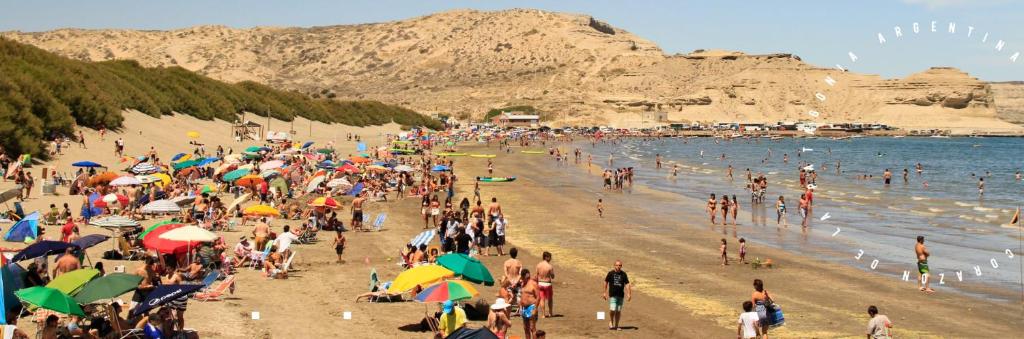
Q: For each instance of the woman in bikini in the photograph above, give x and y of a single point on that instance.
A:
(725, 209)
(735, 209)
(712, 207)
(780, 211)
(435, 210)
(424, 210)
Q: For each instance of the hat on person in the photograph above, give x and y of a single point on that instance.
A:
(243, 238)
(500, 304)
(448, 306)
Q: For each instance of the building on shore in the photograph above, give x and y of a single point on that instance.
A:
(516, 119)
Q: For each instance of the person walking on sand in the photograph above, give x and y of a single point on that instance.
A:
(513, 267)
(339, 244)
(545, 288)
(879, 327)
(735, 208)
(528, 300)
(616, 290)
(761, 299)
(922, 265)
(749, 326)
(600, 208)
(724, 252)
(725, 209)
(743, 250)
(712, 207)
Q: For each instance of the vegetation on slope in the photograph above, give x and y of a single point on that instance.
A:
(43, 95)
(497, 111)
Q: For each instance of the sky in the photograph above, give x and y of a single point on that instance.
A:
(820, 32)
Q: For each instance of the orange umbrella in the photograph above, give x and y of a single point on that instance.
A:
(325, 202)
(360, 160)
(103, 178)
(249, 180)
(262, 210)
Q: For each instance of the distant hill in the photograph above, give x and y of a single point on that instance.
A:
(572, 68)
(42, 94)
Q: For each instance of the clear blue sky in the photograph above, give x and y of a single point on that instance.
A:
(821, 32)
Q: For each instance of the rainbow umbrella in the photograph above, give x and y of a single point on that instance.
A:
(324, 202)
(453, 290)
(419, 276)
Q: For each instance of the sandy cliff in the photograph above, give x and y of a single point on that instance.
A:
(575, 68)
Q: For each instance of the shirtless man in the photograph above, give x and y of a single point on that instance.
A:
(493, 210)
(545, 288)
(657, 161)
(149, 280)
(261, 232)
(922, 265)
(528, 296)
(357, 212)
(512, 268)
(887, 176)
(67, 263)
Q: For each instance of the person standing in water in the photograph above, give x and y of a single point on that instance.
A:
(712, 208)
(735, 207)
(905, 174)
(922, 265)
(725, 209)
(981, 186)
(780, 210)
(887, 176)
(725, 253)
(657, 161)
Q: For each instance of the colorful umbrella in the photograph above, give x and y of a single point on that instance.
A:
(103, 178)
(453, 290)
(325, 202)
(307, 144)
(440, 168)
(86, 164)
(160, 207)
(185, 164)
(144, 168)
(181, 157)
(249, 180)
(71, 282)
(155, 226)
(189, 233)
(208, 189)
(262, 210)
(164, 294)
(235, 175)
(360, 160)
(163, 177)
(114, 197)
(313, 183)
(153, 241)
(347, 168)
(109, 286)
(271, 164)
(468, 267)
(125, 181)
(419, 276)
(50, 299)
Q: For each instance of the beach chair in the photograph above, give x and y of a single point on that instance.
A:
(374, 281)
(118, 332)
(232, 224)
(20, 212)
(378, 224)
(256, 258)
(210, 279)
(128, 252)
(216, 293)
(288, 263)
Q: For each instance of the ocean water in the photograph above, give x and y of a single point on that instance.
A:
(962, 229)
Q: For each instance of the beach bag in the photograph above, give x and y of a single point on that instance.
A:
(775, 317)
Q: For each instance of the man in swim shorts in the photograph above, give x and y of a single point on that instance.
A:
(545, 290)
(528, 303)
(922, 265)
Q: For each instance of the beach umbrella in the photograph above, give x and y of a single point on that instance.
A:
(233, 158)
(88, 164)
(185, 164)
(125, 181)
(326, 164)
(423, 238)
(10, 279)
(325, 151)
(160, 207)
(192, 134)
(453, 290)
(90, 240)
(42, 248)
(271, 164)
(180, 157)
(189, 233)
(338, 182)
(468, 267)
(164, 294)
(252, 149)
(270, 173)
(9, 194)
(114, 221)
(224, 168)
(163, 178)
(440, 168)
(307, 144)
(183, 200)
(472, 333)
(155, 226)
(419, 276)
(249, 180)
(103, 178)
(208, 189)
(235, 175)
(153, 241)
(313, 183)
(262, 211)
(240, 200)
(279, 184)
(325, 202)
(403, 168)
(360, 160)
(71, 282)
(107, 287)
(144, 168)
(146, 179)
(207, 161)
(376, 168)
(347, 168)
(114, 197)
(50, 299)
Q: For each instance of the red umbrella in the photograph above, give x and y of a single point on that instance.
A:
(349, 168)
(153, 241)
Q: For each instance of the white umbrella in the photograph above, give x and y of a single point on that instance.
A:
(241, 199)
(313, 183)
(403, 168)
(114, 221)
(160, 207)
(189, 233)
(125, 181)
(338, 182)
(271, 164)
(183, 200)
(110, 198)
(269, 173)
(145, 179)
(144, 168)
(233, 158)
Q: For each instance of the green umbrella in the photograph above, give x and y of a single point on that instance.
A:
(71, 282)
(151, 228)
(325, 151)
(51, 299)
(280, 183)
(186, 164)
(469, 268)
(253, 149)
(251, 155)
(234, 175)
(107, 287)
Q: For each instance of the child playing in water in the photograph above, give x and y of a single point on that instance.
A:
(725, 253)
(743, 250)
(600, 208)
(780, 210)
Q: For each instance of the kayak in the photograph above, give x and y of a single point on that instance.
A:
(483, 155)
(496, 179)
(534, 152)
(449, 154)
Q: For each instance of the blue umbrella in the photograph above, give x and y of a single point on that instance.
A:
(358, 188)
(177, 156)
(164, 294)
(42, 248)
(326, 164)
(207, 161)
(8, 283)
(86, 164)
(440, 168)
(307, 144)
(90, 240)
(361, 147)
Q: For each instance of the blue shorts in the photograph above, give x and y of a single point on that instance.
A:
(615, 304)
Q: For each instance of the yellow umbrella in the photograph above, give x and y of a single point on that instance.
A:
(262, 210)
(419, 276)
(164, 179)
(193, 134)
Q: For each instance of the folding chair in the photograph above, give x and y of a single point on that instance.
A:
(288, 263)
(217, 292)
(256, 258)
(378, 224)
(129, 252)
(232, 224)
(121, 333)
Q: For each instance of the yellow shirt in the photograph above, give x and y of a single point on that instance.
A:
(451, 322)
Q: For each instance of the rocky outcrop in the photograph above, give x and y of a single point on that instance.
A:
(573, 67)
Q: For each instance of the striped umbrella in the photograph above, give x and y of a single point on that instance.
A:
(114, 221)
(161, 207)
(423, 238)
(453, 290)
(144, 168)
(146, 179)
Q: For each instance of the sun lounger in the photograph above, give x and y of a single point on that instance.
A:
(378, 224)
(217, 292)
(288, 263)
(118, 332)
(256, 258)
(129, 252)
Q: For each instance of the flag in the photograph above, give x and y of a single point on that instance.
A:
(1016, 217)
